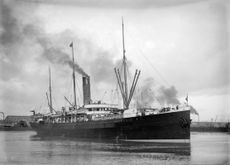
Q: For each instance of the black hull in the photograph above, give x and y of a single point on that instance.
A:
(15, 128)
(173, 125)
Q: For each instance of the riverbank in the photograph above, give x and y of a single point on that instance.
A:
(210, 127)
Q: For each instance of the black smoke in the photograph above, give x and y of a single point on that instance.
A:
(17, 38)
(150, 93)
(145, 96)
(168, 95)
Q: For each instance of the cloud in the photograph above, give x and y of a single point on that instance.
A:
(190, 45)
(25, 42)
(130, 4)
(10, 37)
(102, 68)
(15, 35)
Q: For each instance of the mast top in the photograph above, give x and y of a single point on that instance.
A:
(123, 39)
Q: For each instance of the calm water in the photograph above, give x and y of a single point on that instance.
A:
(24, 148)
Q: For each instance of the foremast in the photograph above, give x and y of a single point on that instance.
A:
(126, 96)
(49, 98)
(74, 80)
(124, 61)
(50, 91)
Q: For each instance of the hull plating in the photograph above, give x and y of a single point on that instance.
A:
(173, 125)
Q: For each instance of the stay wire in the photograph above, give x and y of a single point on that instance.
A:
(148, 61)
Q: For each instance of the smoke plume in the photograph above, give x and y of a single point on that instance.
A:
(77, 68)
(150, 93)
(168, 95)
(17, 36)
(145, 96)
(18, 40)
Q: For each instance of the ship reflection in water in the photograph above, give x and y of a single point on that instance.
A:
(180, 147)
(27, 148)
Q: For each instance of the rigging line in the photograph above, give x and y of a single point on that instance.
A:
(122, 72)
(119, 65)
(69, 94)
(40, 107)
(77, 93)
(167, 83)
(42, 110)
(115, 91)
(54, 102)
(129, 75)
(42, 103)
(160, 75)
(111, 96)
(103, 95)
(118, 94)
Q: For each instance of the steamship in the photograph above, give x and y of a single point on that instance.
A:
(97, 120)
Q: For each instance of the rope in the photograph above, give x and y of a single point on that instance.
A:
(148, 61)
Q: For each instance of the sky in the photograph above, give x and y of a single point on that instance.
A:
(180, 46)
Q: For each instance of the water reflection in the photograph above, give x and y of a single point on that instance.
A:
(149, 146)
(89, 150)
(24, 148)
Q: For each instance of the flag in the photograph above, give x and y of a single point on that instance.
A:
(186, 98)
(71, 45)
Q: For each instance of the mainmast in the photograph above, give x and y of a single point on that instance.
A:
(74, 81)
(50, 92)
(124, 62)
(127, 97)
